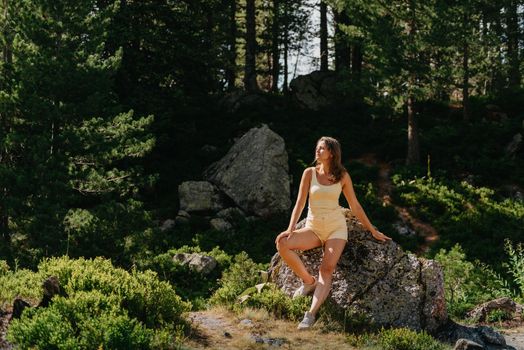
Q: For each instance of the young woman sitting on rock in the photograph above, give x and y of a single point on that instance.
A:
(325, 223)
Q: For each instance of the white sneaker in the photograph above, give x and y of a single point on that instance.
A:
(305, 289)
(307, 322)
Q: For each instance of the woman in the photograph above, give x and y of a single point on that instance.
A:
(325, 223)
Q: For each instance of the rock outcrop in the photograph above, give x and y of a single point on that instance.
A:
(314, 90)
(198, 262)
(240, 100)
(199, 196)
(377, 280)
(254, 173)
(505, 304)
(472, 337)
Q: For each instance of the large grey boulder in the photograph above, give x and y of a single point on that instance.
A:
(378, 280)
(254, 173)
(199, 196)
(314, 90)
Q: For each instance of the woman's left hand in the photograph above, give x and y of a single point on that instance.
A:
(380, 236)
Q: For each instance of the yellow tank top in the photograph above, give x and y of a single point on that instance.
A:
(323, 198)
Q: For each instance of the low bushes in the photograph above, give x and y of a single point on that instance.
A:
(406, 339)
(240, 287)
(476, 218)
(468, 284)
(396, 339)
(189, 284)
(103, 307)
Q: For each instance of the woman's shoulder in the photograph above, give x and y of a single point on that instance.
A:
(309, 169)
(344, 176)
(308, 172)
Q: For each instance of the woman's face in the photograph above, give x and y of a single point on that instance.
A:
(322, 152)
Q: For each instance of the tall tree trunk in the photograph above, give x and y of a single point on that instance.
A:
(465, 67)
(7, 57)
(250, 75)
(465, 82)
(285, 85)
(342, 48)
(512, 27)
(356, 62)
(7, 53)
(497, 82)
(232, 46)
(275, 53)
(324, 54)
(413, 156)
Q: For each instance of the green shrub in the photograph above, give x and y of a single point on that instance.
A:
(515, 265)
(241, 275)
(105, 307)
(269, 297)
(240, 288)
(86, 320)
(476, 218)
(243, 235)
(23, 283)
(189, 284)
(406, 339)
(150, 300)
(4, 267)
(467, 284)
(361, 341)
(498, 315)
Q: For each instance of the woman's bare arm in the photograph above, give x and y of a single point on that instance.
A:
(301, 198)
(356, 208)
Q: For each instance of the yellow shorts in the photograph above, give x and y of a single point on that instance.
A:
(328, 225)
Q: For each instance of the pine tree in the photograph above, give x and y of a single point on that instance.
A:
(72, 173)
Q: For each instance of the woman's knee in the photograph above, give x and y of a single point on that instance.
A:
(327, 267)
(282, 245)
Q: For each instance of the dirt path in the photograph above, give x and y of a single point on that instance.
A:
(221, 329)
(515, 337)
(4, 317)
(384, 190)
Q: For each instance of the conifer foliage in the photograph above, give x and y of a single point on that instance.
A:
(69, 171)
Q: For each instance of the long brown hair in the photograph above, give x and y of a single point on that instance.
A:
(336, 167)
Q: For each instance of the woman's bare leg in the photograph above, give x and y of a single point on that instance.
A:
(333, 248)
(302, 239)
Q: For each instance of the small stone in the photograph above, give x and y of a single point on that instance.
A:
(182, 217)
(258, 339)
(465, 344)
(220, 224)
(403, 229)
(514, 145)
(228, 335)
(19, 305)
(209, 149)
(247, 322)
(197, 262)
(269, 341)
(230, 213)
(167, 225)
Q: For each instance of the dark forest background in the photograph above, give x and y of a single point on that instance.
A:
(106, 106)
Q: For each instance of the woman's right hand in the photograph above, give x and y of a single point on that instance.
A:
(286, 233)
